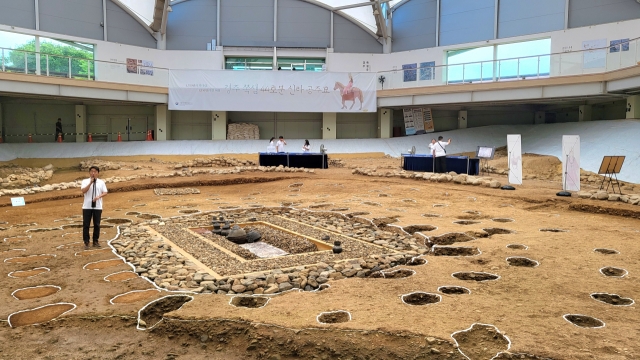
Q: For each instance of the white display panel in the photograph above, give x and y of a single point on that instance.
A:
(286, 91)
(514, 149)
(571, 162)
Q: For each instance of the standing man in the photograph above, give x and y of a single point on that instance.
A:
(441, 155)
(94, 190)
(59, 130)
(280, 144)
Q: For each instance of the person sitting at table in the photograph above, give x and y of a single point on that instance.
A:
(280, 144)
(441, 155)
(306, 147)
(272, 146)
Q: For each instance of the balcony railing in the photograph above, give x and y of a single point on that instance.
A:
(590, 61)
(34, 63)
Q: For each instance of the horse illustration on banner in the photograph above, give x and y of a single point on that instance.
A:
(350, 95)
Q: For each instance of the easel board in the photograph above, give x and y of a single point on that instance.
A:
(611, 165)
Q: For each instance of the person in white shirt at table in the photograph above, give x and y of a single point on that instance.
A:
(440, 155)
(272, 145)
(280, 144)
(306, 147)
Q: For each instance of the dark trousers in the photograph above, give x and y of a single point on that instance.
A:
(441, 164)
(87, 214)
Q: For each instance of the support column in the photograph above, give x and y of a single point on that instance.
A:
(81, 123)
(385, 123)
(38, 70)
(1, 125)
(162, 123)
(462, 119)
(218, 125)
(633, 107)
(539, 117)
(329, 125)
(584, 113)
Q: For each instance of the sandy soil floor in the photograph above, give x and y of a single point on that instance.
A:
(526, 304)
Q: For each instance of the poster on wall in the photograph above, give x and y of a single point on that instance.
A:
(427, 70)
(408, 122)
(292, 91)
(427, 120)
(570, 163)
(618, 45)
(137, 66)
(417, 123)
(409, 72)
(597, 56)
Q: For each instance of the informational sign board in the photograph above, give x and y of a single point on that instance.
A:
(418, 115)
(570, 163)
(409, 126)
(287, 91)
(514, 148)
(17, 201)
(485, 152)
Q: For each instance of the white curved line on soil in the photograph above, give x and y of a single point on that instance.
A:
(26, 277)
(250, 296)
(331, 312)
(40, 307)
(476, 272)
(457, 346)
(522, 257)
(24, 257)
(119, 272)
(582, 327)
(619, 277)
(96, 262)
(604, 293)
(34, 287)
(385, 272)
(131, 292)
(156, 300)
(457, 286)
(10, 250)
(616, 251)
(453, 247)
(420, 292)
(71, 233)
(15, 237)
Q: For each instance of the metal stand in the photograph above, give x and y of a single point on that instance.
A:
(610, 167)
(564, 191)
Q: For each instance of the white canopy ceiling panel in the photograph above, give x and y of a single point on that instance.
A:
(143, 8)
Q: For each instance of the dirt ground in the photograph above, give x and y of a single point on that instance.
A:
(526, 304)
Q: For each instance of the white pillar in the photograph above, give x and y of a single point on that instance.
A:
(462, 119)
(162, 124)
(81, 123)
(38, 70)
(633, 107)
(329, 125)
(1, 132)
(584, 113)
(161, 41)
(539, 117)
(218, 125)
(385, 123)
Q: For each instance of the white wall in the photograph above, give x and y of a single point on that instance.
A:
(22, 118)
(191, 125)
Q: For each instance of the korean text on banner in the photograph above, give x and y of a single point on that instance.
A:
(291, 91)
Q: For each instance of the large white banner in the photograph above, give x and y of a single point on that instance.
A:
(514, 148)
(571, 162)
(290, 91)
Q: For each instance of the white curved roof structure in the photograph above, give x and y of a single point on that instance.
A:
(360, 10)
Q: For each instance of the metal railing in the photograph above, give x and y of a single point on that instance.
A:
(36, 63)
(588, 61)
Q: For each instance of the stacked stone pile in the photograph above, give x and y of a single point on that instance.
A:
(214, 162)
(155, 260)
(243, 131)
(462, 179)
(336, 163)
(633, 199)
(23, 177)
(102, 164)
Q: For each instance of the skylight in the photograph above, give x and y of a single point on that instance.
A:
(363, 14)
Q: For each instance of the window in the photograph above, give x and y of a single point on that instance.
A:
(300, 64)
(257, 63)
(500, 62)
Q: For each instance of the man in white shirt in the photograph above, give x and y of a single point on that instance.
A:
(280, 144)
(94, 190)
(440, 155)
